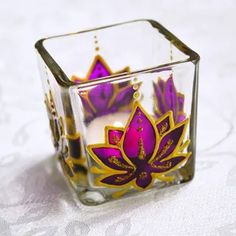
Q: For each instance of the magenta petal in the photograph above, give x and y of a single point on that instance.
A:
(171, 95)
(112, 158)
(160, 101)
(140, 137)
(114, 136)
(124, 97)
(169, 142)
(160, 167)
(163, 126)
(99, 70)
(143, 179)
(100, 96)
(118, 179)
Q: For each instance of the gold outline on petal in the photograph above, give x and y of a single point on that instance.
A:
(91, 68)
(184, 145)
(107, 129)
(168, 114)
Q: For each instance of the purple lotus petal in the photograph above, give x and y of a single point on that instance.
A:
(161, 85)
(163, 126)
(169, 142)
(160, 99)
(100, 97)
(171, 95)
(74, 147)
(143, 179)
(180, 117)
(140, 137)
(99, 70)
(112, 158)
(180, 100)
(160, 167)
(118, 179)
(124, 97)
(114, 136)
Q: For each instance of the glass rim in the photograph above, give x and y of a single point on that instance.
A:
(63, 80)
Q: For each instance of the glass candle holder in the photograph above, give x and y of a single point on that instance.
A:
(122, 106)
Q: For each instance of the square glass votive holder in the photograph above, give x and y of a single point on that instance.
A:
(122, 106)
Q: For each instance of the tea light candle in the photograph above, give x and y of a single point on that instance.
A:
(96, 129)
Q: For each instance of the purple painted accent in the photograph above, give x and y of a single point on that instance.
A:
(124, 97)
(160, 99)
(105, 98)
(100, 96)
(168, 99)
(143, 179)
(160, 167)
(171, 95)
(98, 71)
(161, 85)
(112, 158)
(180, 102)
(118, 179)
(169, 142)
(164, 123)
(140, 129)
(114, 136)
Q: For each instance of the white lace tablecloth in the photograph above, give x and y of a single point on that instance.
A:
(34, 198)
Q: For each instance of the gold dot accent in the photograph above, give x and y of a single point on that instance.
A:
(143, 175)
(139, 120)
(135, 86)
(97, 48)
(136, 95)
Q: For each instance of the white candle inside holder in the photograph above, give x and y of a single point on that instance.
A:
(96, 129)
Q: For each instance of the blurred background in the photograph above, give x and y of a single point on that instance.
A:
(35, 200)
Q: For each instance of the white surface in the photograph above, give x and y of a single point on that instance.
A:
(34, 199)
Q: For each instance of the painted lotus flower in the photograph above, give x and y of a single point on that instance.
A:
(107, 97)
(167, 98)
(140, 152)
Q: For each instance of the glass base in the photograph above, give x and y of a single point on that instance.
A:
(92, 196)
